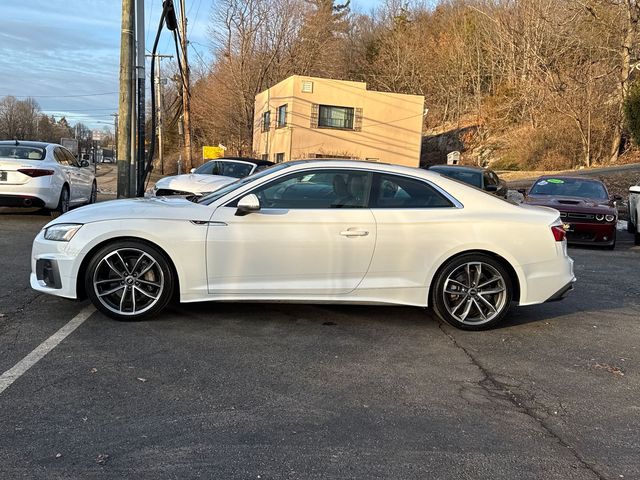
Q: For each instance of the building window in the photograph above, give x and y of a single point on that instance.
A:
(266, 121)
(265, 156)
(282, 116)
(335, 117)
(279, 157)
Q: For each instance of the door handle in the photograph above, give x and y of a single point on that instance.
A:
(354, 233)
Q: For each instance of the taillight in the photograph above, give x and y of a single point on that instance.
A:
(559, 233)
(36, 172)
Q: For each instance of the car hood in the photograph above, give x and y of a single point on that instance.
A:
(159, 208)
(194, 182)
(572, 204)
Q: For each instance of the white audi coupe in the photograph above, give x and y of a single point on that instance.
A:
(317, 231)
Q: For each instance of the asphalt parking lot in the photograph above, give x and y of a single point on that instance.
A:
(278, 391)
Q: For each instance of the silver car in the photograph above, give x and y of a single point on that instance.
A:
(45, 175)
(208, 177)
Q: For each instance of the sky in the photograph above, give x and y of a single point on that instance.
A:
(66, 53)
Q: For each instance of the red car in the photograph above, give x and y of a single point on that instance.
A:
(586, 208)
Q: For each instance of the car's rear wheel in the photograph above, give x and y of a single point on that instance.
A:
(472, 292)
(63, 203)
(129, 280)
(636, 237)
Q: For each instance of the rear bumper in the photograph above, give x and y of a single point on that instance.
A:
(38, 192)
(27, 201)
(563, 292)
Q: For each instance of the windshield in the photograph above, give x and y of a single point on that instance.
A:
(22, 152)
(470, 178)
(212, 197)
(225, 168)
(569, 187)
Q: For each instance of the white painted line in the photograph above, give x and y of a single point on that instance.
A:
(11, 375)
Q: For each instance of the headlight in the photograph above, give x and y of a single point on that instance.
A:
(610, 218)
(599, 217)
(62, 232)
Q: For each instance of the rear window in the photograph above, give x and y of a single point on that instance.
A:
(470, 178)
(22, 152)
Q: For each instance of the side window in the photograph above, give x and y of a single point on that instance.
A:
(317, 189)
(60, 157)
(393, 191)
(71, 158)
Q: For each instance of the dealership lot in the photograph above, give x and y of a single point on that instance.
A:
(298, 391)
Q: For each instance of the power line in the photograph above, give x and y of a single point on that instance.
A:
(63, 96)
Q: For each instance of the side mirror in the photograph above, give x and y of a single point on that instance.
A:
(523, 191)
(634, 189)
(616, 198)
(193, 170)
(491, 188)
(84, 163)
(248, 204)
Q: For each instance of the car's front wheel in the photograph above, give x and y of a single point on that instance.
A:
(472, 292)
(129, 280)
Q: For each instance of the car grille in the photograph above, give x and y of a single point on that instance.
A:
(581, 237)
(588, 217)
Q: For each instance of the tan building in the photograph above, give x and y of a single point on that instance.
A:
(309, 117)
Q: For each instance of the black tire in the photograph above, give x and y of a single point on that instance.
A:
(636, 233)
(63, 203)
(129, 280)
(631, 228)
(456, 285)
(93, 196)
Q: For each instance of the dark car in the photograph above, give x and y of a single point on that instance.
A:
(479, 177)
(586, 208)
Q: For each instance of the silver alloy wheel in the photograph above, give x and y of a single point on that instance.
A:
(128, 281)
(475, 293)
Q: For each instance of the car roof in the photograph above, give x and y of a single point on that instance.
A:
(464, 168)
(255, 161)
(27, 143)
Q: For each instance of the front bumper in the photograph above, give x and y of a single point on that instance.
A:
(601, 234)
(53, 268)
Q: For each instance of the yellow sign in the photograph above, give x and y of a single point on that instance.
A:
(209, 153)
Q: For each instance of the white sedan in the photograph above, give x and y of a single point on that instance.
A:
(208, 177)
(633, 223)
(46, 175)
(326, 231)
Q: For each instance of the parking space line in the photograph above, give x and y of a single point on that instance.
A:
(15, 372)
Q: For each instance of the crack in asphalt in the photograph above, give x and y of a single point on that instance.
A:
(495, 388)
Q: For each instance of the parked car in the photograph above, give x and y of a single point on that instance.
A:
(586, 208)
(209, 176)
(633, 224)
(47, 175)
(479, 177)
(327, 231)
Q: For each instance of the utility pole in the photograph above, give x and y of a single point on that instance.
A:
(158, 81)
(115, 128)
(126, 98)
(186, 104)
(141, 107)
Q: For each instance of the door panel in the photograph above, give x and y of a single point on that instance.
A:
(288, 251)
